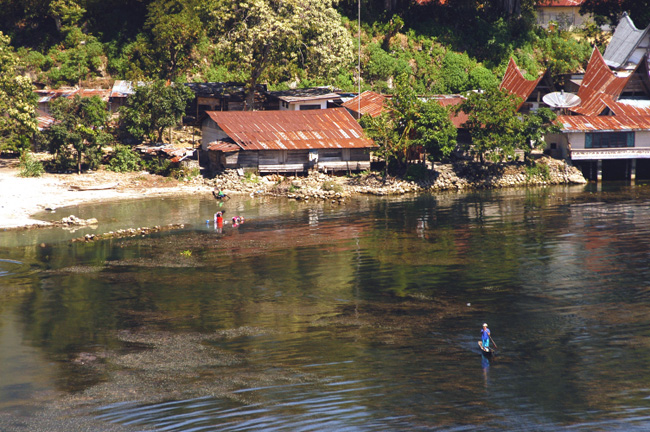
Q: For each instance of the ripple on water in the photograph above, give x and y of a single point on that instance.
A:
(335, 406)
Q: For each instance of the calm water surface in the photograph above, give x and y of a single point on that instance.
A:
(362, 317)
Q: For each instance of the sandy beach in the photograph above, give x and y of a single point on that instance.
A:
(21, 198)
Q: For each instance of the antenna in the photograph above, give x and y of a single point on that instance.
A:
(561, 100)
(359, 61)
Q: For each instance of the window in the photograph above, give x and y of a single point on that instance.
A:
(309, 107)
(609, 139)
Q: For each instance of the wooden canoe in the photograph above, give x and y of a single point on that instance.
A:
(484, 350)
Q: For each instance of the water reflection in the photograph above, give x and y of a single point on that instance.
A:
(356, 317)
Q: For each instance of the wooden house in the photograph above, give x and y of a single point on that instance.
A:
(285, 141)
(530, 91)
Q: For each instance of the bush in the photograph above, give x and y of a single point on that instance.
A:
(416, 172)
(331, 185)
(124, 159)
(538, 170)
(30, 166)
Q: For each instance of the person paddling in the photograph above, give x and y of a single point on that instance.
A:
(485, 336)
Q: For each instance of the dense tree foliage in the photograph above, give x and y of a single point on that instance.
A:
(497, 129)
(608, 11)
(17, 102)
(408, 123)
(152, 108)
(288, 35)
(79, 132)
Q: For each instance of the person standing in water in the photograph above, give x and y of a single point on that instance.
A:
(485, 336)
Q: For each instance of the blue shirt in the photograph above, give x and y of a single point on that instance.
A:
(485, 334)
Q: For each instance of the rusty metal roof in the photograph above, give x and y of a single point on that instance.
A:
(292, 130)
(46, 95)
(368, 102)
(603, 123)
(515, 83)
(457, 118)
(630, 107)
(224, 146)
(43, 119)
(600, 86)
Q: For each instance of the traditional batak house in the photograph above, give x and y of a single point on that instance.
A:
(607, 134)
(530, 92)
(286, 141)
(627, 46)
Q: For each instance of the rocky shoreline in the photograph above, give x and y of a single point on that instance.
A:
(444, 177)
(23, 197)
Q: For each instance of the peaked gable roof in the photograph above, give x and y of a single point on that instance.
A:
(625, 40)
(292, 130)
(515, 83)
(599, 86)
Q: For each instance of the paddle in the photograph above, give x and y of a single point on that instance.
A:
(495, 344)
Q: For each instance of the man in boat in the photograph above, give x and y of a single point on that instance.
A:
(485, 336)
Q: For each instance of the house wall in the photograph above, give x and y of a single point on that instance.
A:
(210, 132)
(568, 18)
(298, 106)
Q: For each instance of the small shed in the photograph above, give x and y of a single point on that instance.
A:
(303, 99)
(286, 141)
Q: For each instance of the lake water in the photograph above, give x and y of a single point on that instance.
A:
(312, 316)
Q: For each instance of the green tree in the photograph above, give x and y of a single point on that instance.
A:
(154, 107)
(532, 129)
(260, 34)
(174, 31)
(394, 130)
(611, 11)
(17, 102)
(79, 132)
(492, 123)
(434, 130)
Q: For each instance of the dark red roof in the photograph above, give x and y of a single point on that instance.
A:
(292, 130)
(515, 83)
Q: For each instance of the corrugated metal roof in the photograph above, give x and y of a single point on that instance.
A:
(224, 146)
(305, 94)
(599, 87)
(630, 107)
(368, 102)
(624, 41)
(515, 83)
(292, 130)
(43, 119)
(46, 95)
(603, 123)
(458, 119)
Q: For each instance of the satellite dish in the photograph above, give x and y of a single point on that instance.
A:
(561, 100)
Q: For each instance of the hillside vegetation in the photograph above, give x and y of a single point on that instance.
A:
(448, 48)
(407, 47)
